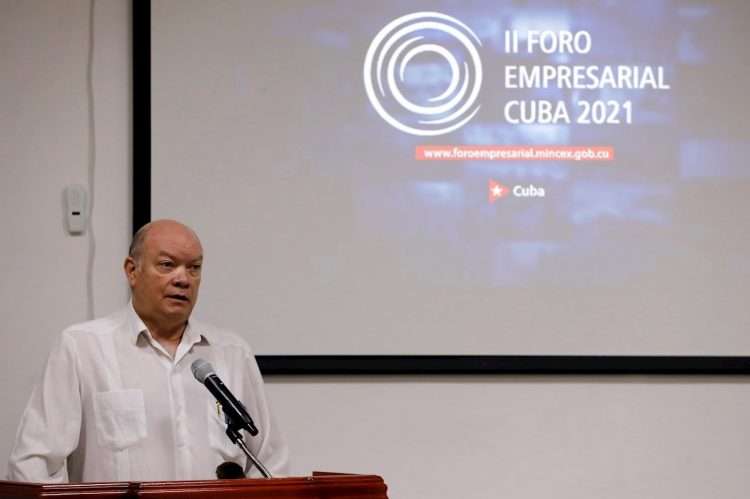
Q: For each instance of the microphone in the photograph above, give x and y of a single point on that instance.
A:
(234, 411)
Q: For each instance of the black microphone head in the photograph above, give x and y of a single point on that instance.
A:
(202, 369)
(229, 470)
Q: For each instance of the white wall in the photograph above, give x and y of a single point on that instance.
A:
(525, 437)
(43, 148)
(436, 437)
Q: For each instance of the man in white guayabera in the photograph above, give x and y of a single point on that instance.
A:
(118, 401)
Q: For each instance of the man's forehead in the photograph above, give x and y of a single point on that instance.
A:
(172, 239)
(193, 255)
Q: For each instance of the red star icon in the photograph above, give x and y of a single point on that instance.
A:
(496, 190)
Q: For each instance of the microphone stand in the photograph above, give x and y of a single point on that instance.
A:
(233, 432)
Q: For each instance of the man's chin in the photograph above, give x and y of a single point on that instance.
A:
(178, 311)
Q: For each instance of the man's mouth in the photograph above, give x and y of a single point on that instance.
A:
(179, 297)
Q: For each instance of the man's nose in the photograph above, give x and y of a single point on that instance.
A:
(180, 277)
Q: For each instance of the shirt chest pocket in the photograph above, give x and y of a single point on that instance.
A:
(120, 418)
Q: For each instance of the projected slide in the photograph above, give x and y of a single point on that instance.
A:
(453, 177)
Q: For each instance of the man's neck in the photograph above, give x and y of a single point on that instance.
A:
(169, 338)
(168, 335)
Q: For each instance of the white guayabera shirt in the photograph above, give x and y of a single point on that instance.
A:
(112, 405)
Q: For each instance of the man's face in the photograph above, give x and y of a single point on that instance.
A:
(166, 276)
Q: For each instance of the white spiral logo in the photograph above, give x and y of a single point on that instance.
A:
(385, 65)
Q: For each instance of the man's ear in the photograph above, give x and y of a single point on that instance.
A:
(130, 266)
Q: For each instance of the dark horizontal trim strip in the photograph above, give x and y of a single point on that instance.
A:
(501, 364)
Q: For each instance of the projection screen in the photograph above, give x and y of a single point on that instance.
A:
(460, 177)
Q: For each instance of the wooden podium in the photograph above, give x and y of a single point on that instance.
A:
(318, 486)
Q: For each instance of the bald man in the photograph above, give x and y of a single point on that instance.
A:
(118, 401)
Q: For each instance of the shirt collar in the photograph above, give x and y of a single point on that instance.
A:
(193, 334)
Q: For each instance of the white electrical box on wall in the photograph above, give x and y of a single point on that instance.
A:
(76, 214)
